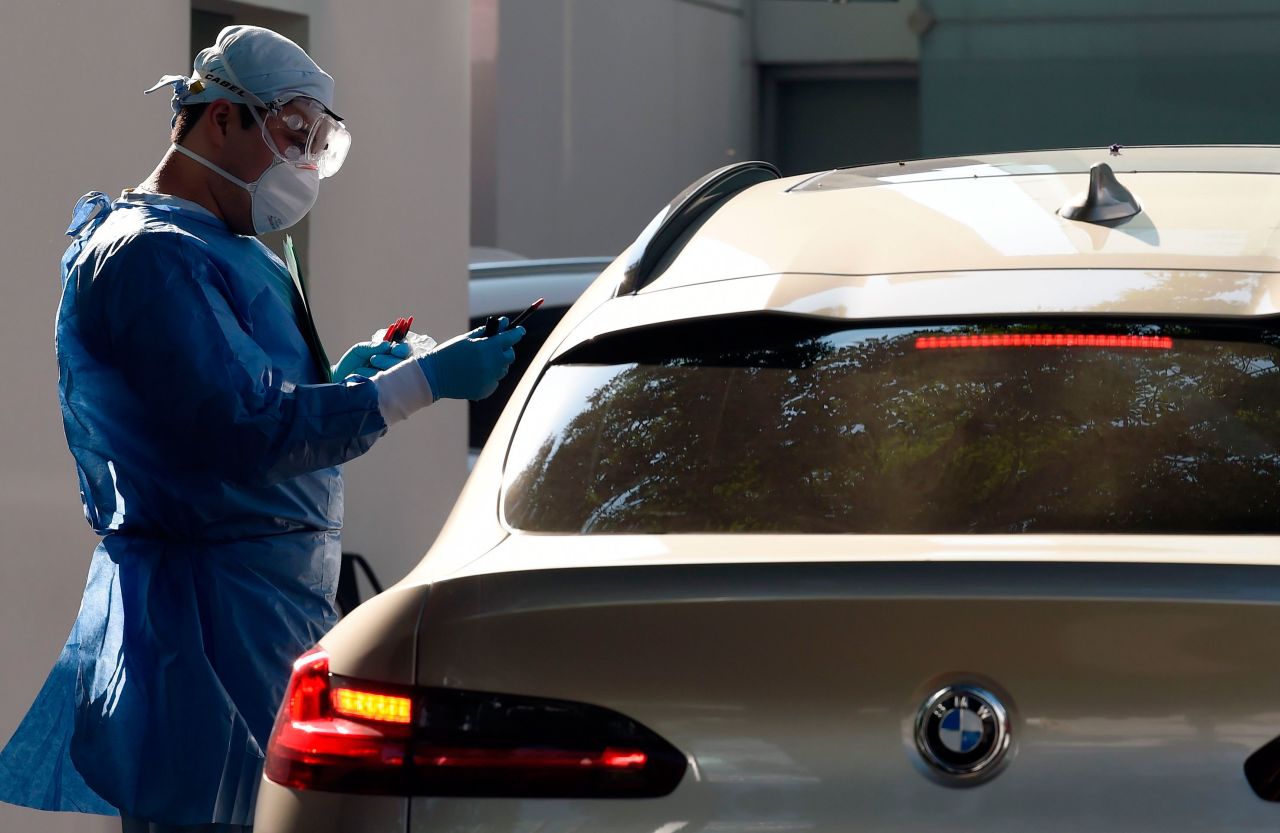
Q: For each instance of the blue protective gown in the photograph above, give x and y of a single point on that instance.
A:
(206, 440)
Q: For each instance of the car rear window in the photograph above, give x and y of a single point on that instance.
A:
(769, 424)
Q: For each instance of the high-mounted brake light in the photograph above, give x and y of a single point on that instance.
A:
(530, 758)
(1043, 340)
(624, 760)
(339, 734)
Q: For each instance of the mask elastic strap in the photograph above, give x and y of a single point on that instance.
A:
(248, 186)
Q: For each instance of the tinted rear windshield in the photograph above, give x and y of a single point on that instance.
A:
(769, 425)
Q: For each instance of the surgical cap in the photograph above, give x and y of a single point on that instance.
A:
(272, 69)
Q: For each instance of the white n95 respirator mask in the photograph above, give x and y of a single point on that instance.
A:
(280, 198)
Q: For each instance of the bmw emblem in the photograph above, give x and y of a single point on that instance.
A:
(962, 731)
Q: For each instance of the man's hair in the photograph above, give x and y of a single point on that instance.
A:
(191, 113)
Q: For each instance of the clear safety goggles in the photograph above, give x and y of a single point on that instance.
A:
(302, 133)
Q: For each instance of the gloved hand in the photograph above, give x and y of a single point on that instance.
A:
(470, 365)
(368, 357)
(385, 361)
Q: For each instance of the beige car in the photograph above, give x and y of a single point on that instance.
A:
(936, 495)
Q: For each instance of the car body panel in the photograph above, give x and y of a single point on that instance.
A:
(1227, 221)
(1229, 159)
(1136, 689)
(521, 551)
(378, 639)
(282, 809)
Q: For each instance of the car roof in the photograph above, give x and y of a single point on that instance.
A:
(1204, 209)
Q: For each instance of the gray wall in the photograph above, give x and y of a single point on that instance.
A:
(1010, 74)
(838, 83)
(389, 236)
(607, 109)
(88, 127)
(484, 122)
(998, 75)
(800, 32)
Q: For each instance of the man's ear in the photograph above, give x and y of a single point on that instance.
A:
(218, 116)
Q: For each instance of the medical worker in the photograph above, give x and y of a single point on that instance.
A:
(207, 433)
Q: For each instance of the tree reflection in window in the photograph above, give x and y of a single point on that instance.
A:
(856, 431)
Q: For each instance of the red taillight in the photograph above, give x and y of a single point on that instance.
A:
(1043, 340)
(312, 742)
(338, 734)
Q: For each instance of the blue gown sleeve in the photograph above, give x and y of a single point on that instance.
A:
(160, 310)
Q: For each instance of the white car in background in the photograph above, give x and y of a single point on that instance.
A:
(502, 283)
(938, 495)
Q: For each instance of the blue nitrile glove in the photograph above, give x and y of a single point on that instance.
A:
(385, 361)
(368, 357)
(470, 365)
